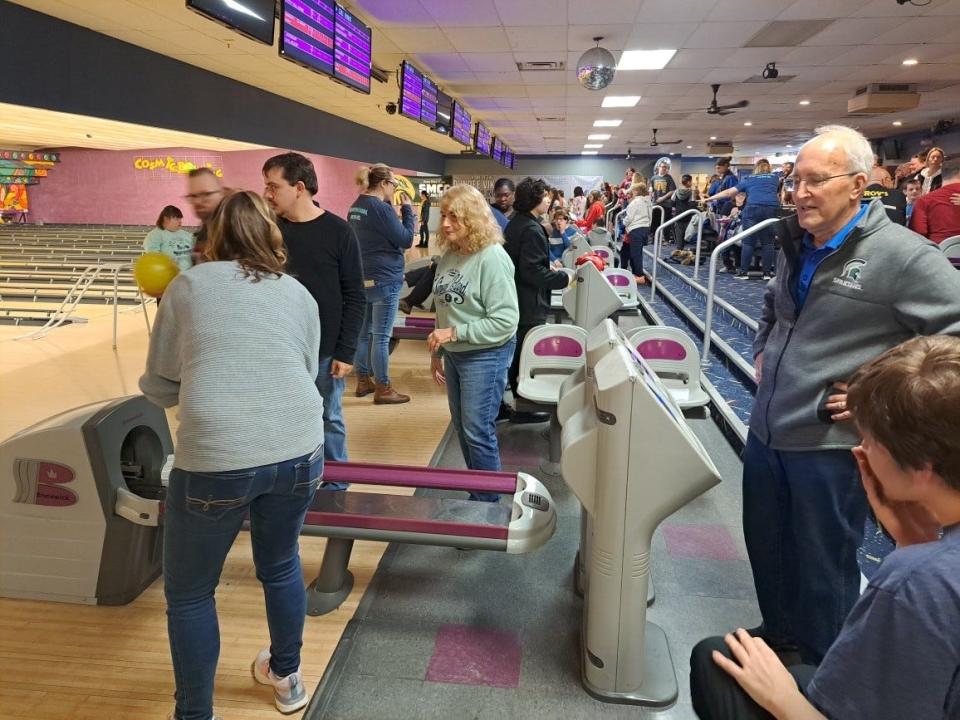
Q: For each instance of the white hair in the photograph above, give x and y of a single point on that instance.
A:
(860, 155)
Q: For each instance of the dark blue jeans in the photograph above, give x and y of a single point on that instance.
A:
(754, 215)
(476, 380)
(638, 238)
(204, 513)
(334, 429)
(803, 516)
(373, 345)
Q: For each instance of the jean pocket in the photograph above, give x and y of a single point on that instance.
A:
(308, 474)
(213, 495)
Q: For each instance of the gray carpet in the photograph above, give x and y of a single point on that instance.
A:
(387, 664)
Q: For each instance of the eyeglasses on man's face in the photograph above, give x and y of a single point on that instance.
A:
(793, 183)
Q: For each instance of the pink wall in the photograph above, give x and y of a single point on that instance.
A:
(105, 186)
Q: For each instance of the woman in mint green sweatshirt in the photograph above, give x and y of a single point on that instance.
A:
(170, 239)
(477, 317)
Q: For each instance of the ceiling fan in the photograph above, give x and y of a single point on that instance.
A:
(654, 143)
(715, 109)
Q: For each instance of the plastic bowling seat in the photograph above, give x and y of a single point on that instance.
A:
(603, 251)
(625, 283)
(550, 353)
(951, 248)
(672, 355)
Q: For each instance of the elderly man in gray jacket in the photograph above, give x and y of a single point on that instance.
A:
(849, 285)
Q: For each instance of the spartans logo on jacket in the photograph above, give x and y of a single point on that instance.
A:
(850, 276)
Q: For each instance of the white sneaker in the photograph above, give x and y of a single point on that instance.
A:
(288, 692)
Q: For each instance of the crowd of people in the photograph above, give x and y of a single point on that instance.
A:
(856, 405)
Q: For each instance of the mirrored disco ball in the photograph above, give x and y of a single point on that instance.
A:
(595, 68)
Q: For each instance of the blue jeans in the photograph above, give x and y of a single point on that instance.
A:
(476, 380)
(334, 430)
(638, 238)
(754, 215)
(803, 517)
(373, 345)
(204, 513)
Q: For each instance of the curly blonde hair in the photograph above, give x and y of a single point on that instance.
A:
(468, 206)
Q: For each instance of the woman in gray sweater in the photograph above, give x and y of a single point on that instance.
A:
(236, 346)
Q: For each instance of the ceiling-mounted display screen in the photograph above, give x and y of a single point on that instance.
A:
(411, 90)
(482, 139)
(444, 113)
(461, 125)
(497, 150)
(253, 18)
(307, 33)
(508, 157)
(352, 48)
(428, 103)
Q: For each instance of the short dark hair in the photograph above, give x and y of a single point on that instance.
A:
(686, 178)
(504, 182)
(425, 193)
(723, 162)
(599, 222)
(578, 191)
(170, 211)
(908, 400)
(529, 194)
(296, 168)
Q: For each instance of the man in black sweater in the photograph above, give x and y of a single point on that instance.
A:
(324, 255)
(528, 246)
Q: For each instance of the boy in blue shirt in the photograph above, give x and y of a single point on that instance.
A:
(898, 654)
(563, 233)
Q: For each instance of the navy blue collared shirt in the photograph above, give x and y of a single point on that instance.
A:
(811, 257)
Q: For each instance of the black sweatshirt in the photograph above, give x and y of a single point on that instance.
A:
(323, 254)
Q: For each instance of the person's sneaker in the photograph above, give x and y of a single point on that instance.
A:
(767, 276)
(504, 412)
(173, 716)
(364, 385)
(723, 270)
(405, 307)
(386, 395)
(741, 276)
(289, 694)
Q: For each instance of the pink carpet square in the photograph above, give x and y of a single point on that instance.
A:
(467, 655)
(712, 542)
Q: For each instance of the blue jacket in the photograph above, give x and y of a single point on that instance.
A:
(382, 237)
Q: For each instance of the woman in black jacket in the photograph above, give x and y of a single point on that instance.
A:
(528, 246)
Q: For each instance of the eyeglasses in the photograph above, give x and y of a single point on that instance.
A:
(201, 195)
(392, 182)
(792, 184)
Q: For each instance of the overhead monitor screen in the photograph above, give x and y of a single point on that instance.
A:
(428, 103)
(498, 149)
(508, 157)
(462, 124)
(253, 18)
(411, 90)
(444, 113)
(352, 48)
(307, 34)
(482, 139)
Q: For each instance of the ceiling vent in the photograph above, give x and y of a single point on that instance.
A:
(540, 65)
(673, 116)
(554, 137)
(781, 78)
(788, 33)
(720, 147)
(551, 118)
(883, 98)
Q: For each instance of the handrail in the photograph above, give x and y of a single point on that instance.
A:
(616, 223)
(712, 281)
(607, 209)
(658, 239)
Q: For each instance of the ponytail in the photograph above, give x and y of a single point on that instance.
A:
(370, 177)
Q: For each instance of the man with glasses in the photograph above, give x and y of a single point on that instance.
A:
(205, 192)
(850, 284)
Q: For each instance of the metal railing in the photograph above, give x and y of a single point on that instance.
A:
(712, 281)
(658, 241)
(75, 295)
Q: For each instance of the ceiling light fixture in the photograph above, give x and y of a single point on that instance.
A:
(789, 145)
(897, 123)
(645, 59)
(588, 152)
(612, 101)
(911, 61)
(748, 124)
(592, 146)
(804, 102)
(689, 147)
(598, 136)
(713, 137)
(607, 123)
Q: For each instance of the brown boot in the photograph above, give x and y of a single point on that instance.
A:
(364, 385)
(386, 395)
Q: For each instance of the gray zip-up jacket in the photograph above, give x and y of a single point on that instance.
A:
(884, 285)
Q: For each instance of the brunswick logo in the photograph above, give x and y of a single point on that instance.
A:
(850, 277)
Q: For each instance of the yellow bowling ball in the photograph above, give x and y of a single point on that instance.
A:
(153, 271)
